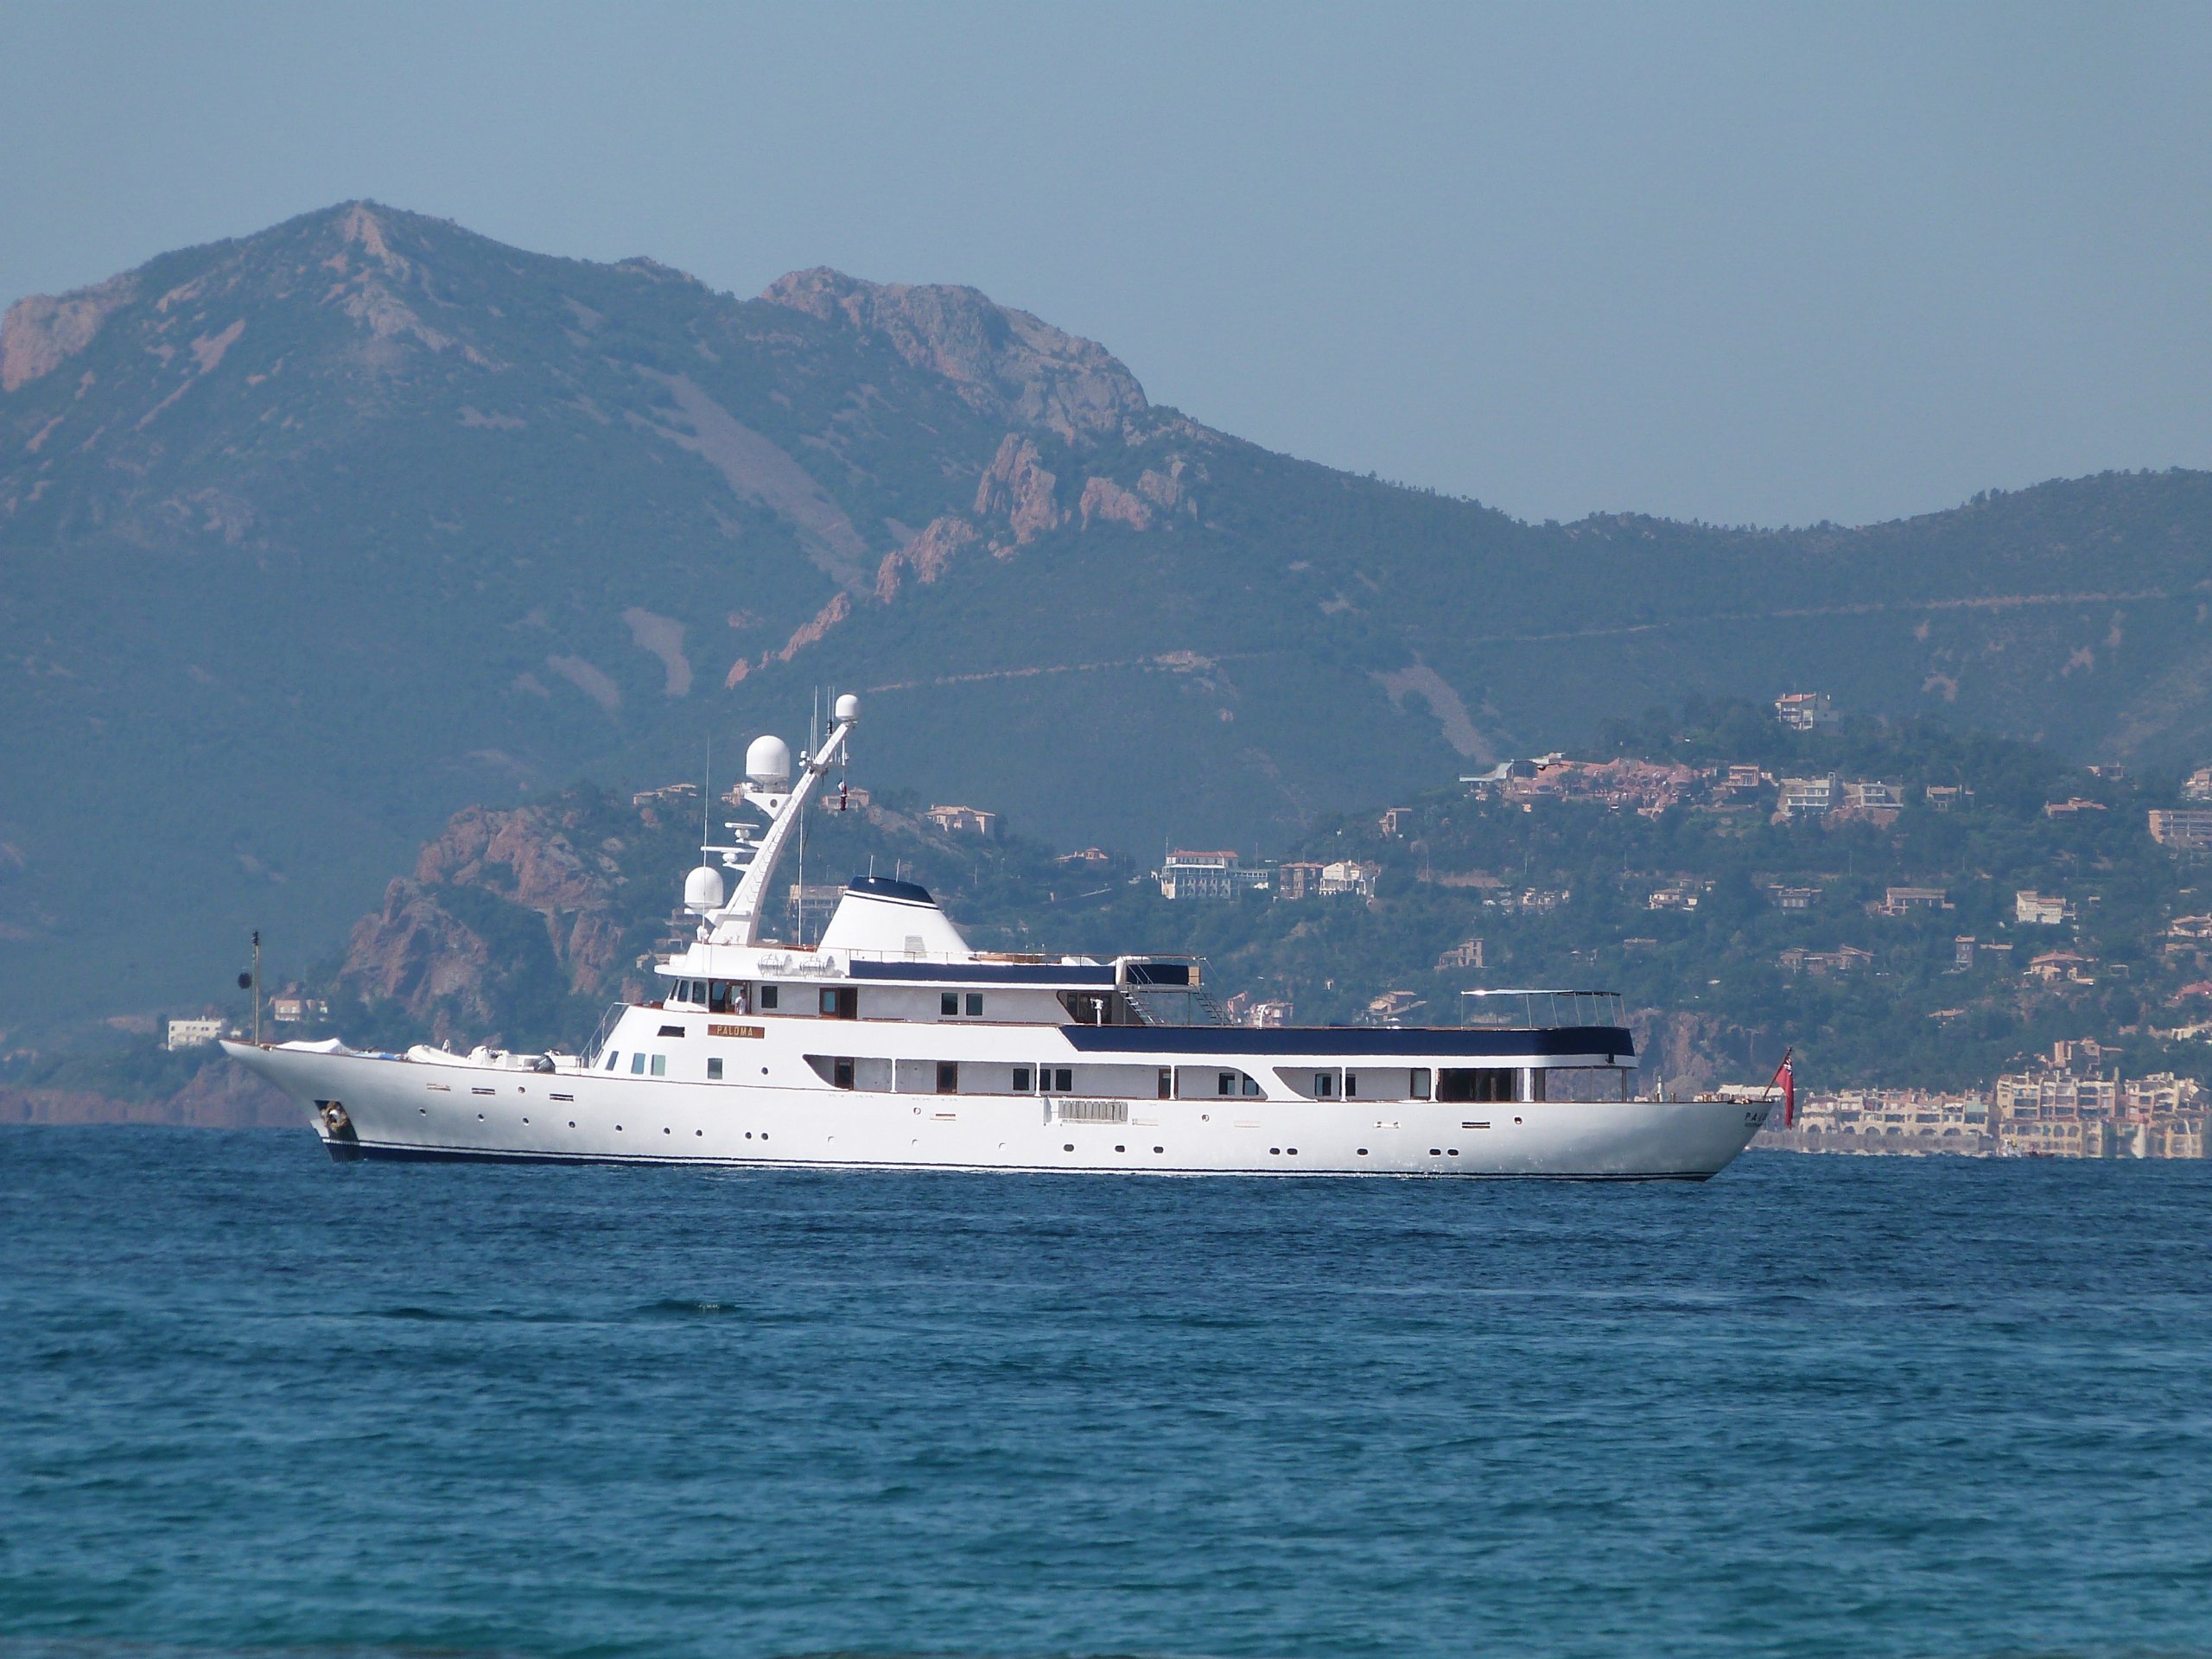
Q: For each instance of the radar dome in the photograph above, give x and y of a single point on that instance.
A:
(768, 762)
(702, 889)
(849, 707)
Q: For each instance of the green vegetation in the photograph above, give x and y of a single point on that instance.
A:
(1710, 983)
(296, 567)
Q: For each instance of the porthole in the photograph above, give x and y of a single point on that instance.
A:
(1069, 1148)
(666, 1130)
(1120, 1148)
(1455, 1151)
(618, 1128)
(701, 1134)
(572, 1122)
(480, 1117)
(525, 1120)
(1294, 1152)
(1363, 1152)
(748, 1134)
(1274, 1152)
(764, 1134)
(1159, 1148)
(1433, 1152)
(423, 1110)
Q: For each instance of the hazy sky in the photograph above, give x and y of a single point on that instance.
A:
(1776, 262)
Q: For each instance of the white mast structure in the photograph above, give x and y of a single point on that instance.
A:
(770, 789)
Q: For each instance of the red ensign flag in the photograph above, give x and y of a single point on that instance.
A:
(1786, 1075)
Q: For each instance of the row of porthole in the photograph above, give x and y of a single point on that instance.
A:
(701, 1134)
(1070, 1147)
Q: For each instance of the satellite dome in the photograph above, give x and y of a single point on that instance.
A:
(768, 762)
(849, 707)
(702, 889)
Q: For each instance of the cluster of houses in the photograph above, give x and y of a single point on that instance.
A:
(1192, 874)
(2077, 1104)
(286, 1008)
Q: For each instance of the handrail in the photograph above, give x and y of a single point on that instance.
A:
(588, 1056)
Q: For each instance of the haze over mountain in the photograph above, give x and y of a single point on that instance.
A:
(313, 536)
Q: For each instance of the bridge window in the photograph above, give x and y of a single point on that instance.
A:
(613, 1060)
(1020, 1079)
(948, 1005)
(975, 1005)
(637, 1066)
(660, 1065)
(1484, 1084)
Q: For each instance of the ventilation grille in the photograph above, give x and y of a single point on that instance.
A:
(1094, 1111)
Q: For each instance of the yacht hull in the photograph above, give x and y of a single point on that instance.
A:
(373, 1106)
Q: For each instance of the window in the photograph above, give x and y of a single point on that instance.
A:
(839, 1002)
(660, 1065)
(1325, 1086)
(948, 1077)
(613, 1060)
(948, 1005)
(718, 998)
(1020, 1079)
(975, 1005)
(1352, 1085)
(637, 1066)
(1421, 1083)
(714, 1069)
(1057, 1080)
(1468, 1083)
(841, 1074)
(768, 996)
(1225, 1083)
(1251, 1086)
(1166, 1083)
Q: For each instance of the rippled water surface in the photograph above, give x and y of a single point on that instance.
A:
(253, 1401)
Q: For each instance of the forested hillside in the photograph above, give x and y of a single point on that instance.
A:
(312, 538)
(519, 925)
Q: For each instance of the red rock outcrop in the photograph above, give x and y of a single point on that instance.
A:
(43, 331)
(1006, 364)
(1016, 484)
(929, 554)
(414, 951)
(1104, 498)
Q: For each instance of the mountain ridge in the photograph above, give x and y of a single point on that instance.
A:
(317, 535)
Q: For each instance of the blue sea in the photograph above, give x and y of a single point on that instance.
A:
(254, 1402)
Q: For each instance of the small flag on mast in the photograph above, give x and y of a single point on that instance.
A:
(1786, 1075)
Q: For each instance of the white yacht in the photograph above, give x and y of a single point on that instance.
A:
(890, 1044)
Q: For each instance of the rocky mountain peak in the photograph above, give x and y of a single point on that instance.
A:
(1008, 364)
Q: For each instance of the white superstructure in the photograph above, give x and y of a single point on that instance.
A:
(892, 1045)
